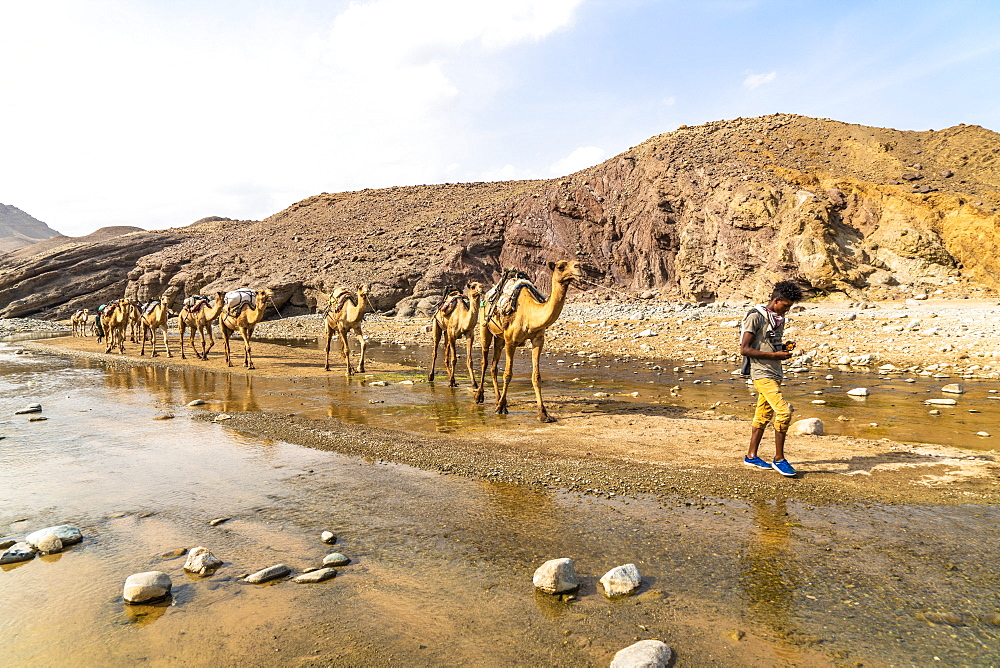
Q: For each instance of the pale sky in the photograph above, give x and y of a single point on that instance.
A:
(158, 113)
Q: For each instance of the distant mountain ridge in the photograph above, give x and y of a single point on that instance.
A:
(19, 229)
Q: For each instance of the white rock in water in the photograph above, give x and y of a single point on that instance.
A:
(312, 577)
(269, 573)
(556, 576)
(378, 383)
(336, 559)
(201, 561)
(17, 552)
(328, 537)
(953, 388)
(984, 434)
(621, 580)
(818, 402)
(64, 532)
(196, 402)
(859, 392)
(146, 587)
(30, 408)
(49, 544)
(643, 654)
(941, 402)
(806, 427)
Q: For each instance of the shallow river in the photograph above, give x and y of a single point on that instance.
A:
(442, 565)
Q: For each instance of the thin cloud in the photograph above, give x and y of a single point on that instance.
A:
(757, 80)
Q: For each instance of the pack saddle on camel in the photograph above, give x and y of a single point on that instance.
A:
(242, 311)
(115, 319)
(198, 315)
(516, 314)
(457, 317)
(79, 322)
(153, 316)
(344, 314)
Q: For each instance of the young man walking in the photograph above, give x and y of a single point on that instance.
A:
(761, 342)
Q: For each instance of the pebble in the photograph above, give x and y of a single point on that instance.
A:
(934, 411)
(336, 559)
(147, 587)
(319, 575)
(173, 554)
(621, 580)
(267, 574)
(17, 552)
(818, 402)
(164, 416)
(30, 408)
(202, 562)
(37, 419)
(328, 537)
(378, 383)
(941, 402)
(984, 434)
(556, 576)
(219, 520)
(953, 388)
(196, 402)
(643, 654)
(858, 392)
(222, 416)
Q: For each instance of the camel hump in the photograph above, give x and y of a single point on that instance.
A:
(449, 303)
(503, 297)
(150, 305)
(340, 297)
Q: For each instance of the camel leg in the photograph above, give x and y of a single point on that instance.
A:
(364, 347)
(508, 373)
(211, 341)
(345, 351)
(143, 351)
(486, 342)
(247, 357)
(436, 336)
(536, 379)
(180, 329)
(497, 346)
(165, 344)
(225, 342)
(450, 358)
(468, 361)
(329, 337)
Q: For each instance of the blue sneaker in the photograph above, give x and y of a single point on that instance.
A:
(783, 467)
(756, 463)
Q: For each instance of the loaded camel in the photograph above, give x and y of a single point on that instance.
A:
(243, 318)
(153, 317)
(134, 326)
(79, 322)
(526, 324)
(456, 318)
(199, 316)
(115, 320)
(344, 314)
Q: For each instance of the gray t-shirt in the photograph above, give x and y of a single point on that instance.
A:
(767, 337)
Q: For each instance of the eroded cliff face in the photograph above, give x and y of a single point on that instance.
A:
(720, 210)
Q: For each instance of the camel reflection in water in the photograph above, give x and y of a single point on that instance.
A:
(769, 570)
(179, 386)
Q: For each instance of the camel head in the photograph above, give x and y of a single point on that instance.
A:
(474, 290)
(262, 296)
(564, 271)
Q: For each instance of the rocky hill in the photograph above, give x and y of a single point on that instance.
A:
(717, 211)
(19, 229)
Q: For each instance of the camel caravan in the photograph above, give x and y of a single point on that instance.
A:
(514, 312)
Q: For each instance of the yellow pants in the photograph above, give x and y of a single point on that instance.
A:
(770, 404)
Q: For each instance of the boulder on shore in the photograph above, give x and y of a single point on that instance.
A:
(147, 587)
(806, 427)
(621, 580)
(201, 561)
(643, 654)
(17, 552)
(556, 576)
(69, 535)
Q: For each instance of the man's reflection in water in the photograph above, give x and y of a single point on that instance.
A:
(770, 574)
